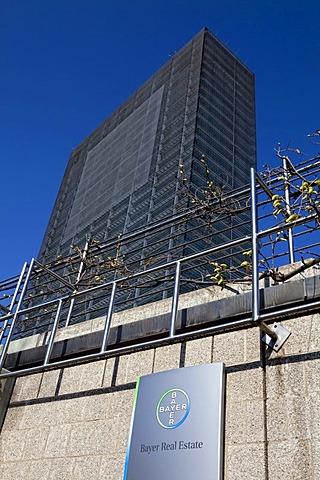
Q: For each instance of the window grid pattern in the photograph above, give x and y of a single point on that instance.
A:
(206, 108)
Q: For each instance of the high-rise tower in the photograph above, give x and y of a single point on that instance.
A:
(125, 174)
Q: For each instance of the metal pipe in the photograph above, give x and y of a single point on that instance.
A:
(255, 252)
(276, 228)
(55, 275)
(108, 319)
(18, 286)
(175, 299)
(15, 316)
(265, 328)
(165, 222)
(310, 166)
(53, 334)
(9, 310)
(288, 208)
(81, 267)
(70, 312)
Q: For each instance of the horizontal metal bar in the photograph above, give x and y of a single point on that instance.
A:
(285, 226)
(310, 166)
(55, 275)
(101, 247)
(143, 273)
(9, 282)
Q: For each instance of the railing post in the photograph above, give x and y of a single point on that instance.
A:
(288, 209)
(16, 292)
(53, 334)
(18, 287)
(108, 319)
(255, 251)
(15, 316)
(81, 267)
(175, 299)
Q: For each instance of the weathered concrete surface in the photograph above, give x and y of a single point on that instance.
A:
(6, 387)
(159, 310)
(73, 423)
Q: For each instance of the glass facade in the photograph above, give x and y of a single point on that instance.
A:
(125, 175)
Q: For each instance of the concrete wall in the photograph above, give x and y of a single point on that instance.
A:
(73, 423)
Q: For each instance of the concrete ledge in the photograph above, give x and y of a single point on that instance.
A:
(157, 325)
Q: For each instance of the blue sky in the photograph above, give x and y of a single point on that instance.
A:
(67, 64)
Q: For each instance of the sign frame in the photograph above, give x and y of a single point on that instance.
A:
(177, 425)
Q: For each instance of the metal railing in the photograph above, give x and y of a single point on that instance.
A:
(18, 311)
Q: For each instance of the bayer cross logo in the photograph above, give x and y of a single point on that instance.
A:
(173, 408)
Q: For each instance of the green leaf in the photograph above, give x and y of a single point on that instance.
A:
(292, 218)
(245, 264)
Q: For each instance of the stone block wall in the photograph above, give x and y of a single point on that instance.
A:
(74, 423)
